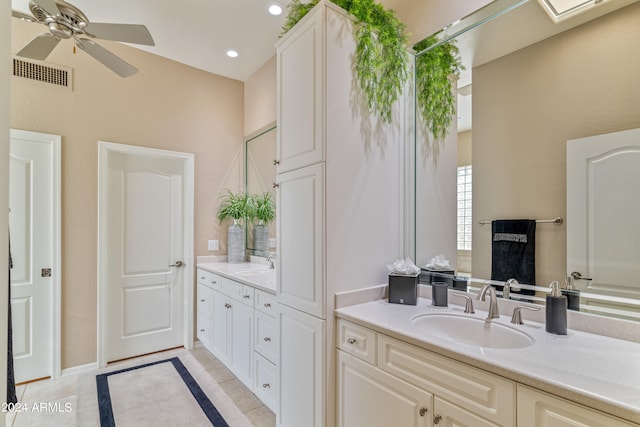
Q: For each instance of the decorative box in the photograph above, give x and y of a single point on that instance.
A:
(403, 289)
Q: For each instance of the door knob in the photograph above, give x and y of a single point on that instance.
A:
(578, 276)
(177, 264)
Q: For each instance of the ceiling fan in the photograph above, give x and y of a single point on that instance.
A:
(66, 21)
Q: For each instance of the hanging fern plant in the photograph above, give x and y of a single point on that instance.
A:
(381, 61)
(435, 70)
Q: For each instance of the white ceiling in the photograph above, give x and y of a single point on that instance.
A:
(195, 32)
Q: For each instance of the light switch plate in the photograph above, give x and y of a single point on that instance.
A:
(213, 245)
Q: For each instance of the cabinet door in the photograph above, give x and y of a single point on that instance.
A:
(219, 314)
(300, 96)
(446, 414)
(538, 409)
(302, 370)
(300, 204)
(370, 397)
(240, 339)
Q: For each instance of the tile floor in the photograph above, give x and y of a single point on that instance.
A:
(71, 401)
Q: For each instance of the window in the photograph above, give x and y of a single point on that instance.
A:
(464, 208)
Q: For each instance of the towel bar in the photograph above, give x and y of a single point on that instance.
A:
(557, 221)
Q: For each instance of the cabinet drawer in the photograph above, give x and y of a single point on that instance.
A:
(231, 288)
(208, 279)
(204, 298)
(265, 302)
(536, 408)
(265, 381)
(266, 337)
(356, 340)
(248, 295)
(482, 393)
(204, 331)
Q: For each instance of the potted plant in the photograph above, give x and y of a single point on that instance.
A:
(264, 210)
(238, 207)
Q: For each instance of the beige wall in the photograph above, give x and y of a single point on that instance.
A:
(260, 98)
(167, 105)
(426, 17)
(464, 148)
(527, 105)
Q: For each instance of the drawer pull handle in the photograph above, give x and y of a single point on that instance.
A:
(266, 385)
(201, 277)
(266, 304)
(246, 296)
(202, 300)
(351, 340)
(201, 330)
(437, 418)
(267, 339)
(214, 282)
(423, 411)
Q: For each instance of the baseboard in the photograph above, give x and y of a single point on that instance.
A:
(79, 369)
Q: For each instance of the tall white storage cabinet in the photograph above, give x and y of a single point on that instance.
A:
(339, 200)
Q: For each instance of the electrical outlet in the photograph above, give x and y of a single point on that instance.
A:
(272, 242)
(213, 245)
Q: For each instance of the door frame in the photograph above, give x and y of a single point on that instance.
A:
(104, 149)
(55, 141)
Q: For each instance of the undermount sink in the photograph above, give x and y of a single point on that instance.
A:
(255, 271)
(472, 331)
(260, 275)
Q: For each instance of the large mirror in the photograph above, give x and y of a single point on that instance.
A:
(534, 85)
(260, 174)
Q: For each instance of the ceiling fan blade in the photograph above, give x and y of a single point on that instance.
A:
(40, 47)
(111, 61)
(49, 6)
(23, 16)
(128, 33)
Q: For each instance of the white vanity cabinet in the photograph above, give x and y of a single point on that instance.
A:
(384, 381)
(266, 347)
(540, 409)
(424, 387)
(232, 333)
(238, 324)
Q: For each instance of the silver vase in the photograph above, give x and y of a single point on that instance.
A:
(261, 239)
(236, 241)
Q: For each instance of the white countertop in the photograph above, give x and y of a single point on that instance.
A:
(597, 371)
(266, 282)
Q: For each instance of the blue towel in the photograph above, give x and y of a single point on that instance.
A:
(513, 253)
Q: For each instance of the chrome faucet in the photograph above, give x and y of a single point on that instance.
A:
(510, 284)
(493, 302)
(270, 260)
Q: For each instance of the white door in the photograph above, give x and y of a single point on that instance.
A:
(32, 196)
(603, 207)
(143, 242)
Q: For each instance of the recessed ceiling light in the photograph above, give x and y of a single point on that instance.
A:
(275, 9)
(231, 53)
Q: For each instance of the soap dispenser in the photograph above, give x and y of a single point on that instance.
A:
(572, 294)
(556, 310)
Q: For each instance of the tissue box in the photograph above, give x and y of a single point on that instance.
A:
(403, 289)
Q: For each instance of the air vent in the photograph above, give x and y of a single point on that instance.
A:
(49, 74)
